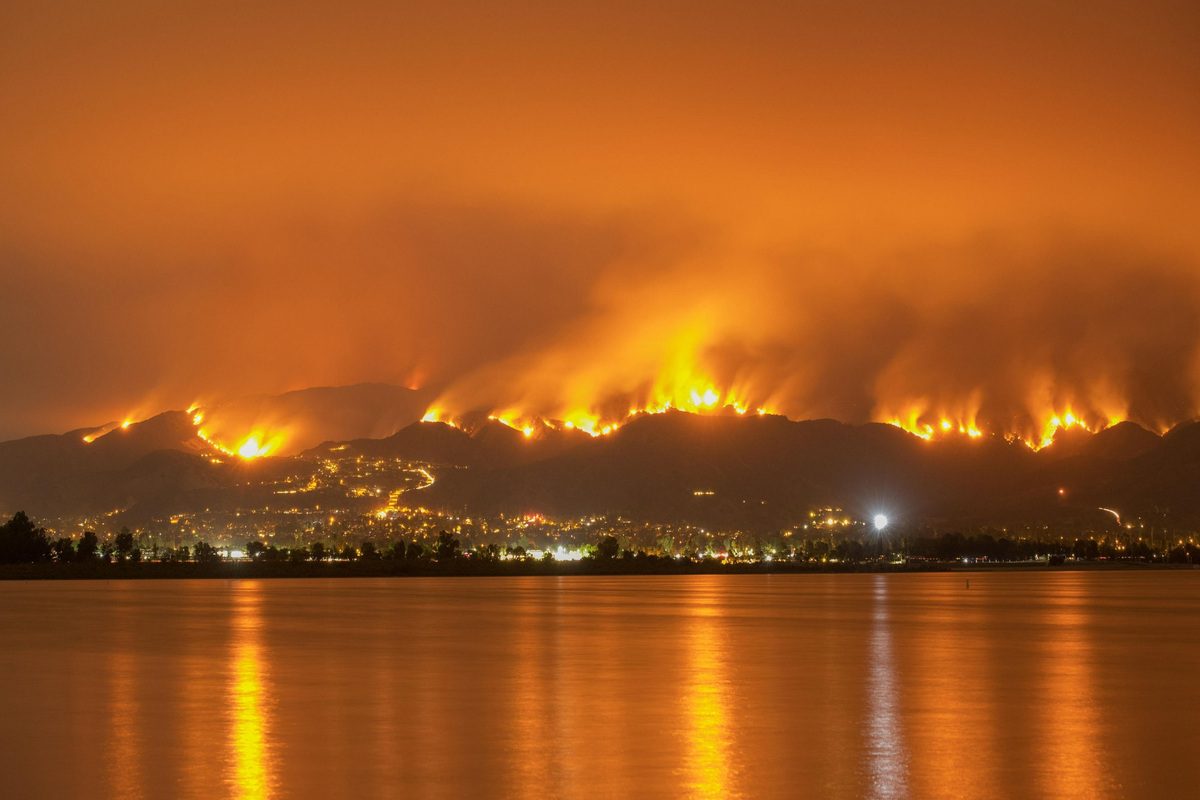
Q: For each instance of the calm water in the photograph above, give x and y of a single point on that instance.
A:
(1049, 685)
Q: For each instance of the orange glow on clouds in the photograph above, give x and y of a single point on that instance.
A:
(609, 212)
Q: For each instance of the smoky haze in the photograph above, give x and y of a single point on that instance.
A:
(992, 330)
(863, 212)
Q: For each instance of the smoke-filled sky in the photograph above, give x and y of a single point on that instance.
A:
(860, 210)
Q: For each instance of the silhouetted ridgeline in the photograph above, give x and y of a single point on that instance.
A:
(729, 472)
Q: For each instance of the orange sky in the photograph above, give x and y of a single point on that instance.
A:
(854, 204)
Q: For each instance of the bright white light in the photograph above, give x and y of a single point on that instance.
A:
(881, 521)
(563, 554)
(236, 554)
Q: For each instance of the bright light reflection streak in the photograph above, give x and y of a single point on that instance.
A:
(533, 708)
(1073, 764)
(248, 735)
(125, 758)
(888, 762)
(706, 707)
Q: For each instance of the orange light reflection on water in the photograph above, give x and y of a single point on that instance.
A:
(886, 752)
(250, 754)
(1071, 744)
(125, 755)
(707, 707)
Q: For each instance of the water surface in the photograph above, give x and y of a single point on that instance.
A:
(1053, 684)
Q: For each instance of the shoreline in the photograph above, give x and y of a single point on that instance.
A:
(394, 569)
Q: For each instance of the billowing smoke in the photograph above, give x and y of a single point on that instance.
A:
(996, 334)
(528, 316)
(575, 211)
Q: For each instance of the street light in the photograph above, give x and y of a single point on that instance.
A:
(881, 521)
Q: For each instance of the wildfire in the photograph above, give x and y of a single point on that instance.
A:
(88, 438)
(437, 415)
(256, 444)
(691, 392)
(707, 399)
(919, 426)
(929, 428)
(702, 397)
(251, 447)
(1066, 421)
(589, 423)
(204, 437)
(685, 383)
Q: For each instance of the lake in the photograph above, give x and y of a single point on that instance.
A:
(1018, 685)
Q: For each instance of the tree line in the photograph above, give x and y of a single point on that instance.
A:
(24, 542)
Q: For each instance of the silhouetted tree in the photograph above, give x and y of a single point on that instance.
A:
(415, 551)
(206, 553)
(64, 550)
(1186, 554)
(124, 544)
(489, 553)
(608, 548)
(317, 551)
(447, 547)
(369, 553)
(347, 553)
(1086, 549)
(23, 542)
(255, 549)
(88, 547)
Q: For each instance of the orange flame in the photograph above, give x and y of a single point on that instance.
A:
(706, 398)
(255, 444)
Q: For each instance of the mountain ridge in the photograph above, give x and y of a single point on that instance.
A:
(754, 471)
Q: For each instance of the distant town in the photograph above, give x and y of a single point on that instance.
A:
(350, 508)
(722, 491)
